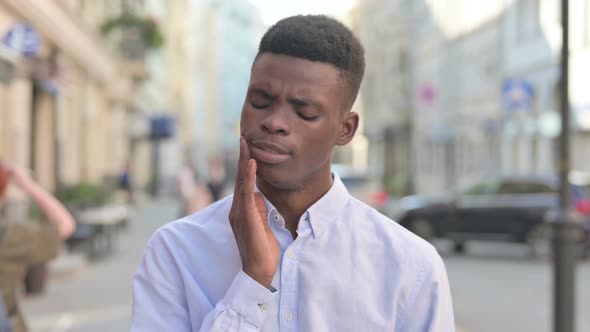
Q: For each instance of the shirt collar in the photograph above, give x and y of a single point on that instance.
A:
(323, 211)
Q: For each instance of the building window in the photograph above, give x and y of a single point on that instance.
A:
(527, 19)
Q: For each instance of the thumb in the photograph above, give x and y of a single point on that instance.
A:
(261, 206)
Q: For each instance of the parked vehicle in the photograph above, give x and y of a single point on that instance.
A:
(511, 208)
(362, 186)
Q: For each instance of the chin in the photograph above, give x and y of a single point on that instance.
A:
(278, 178)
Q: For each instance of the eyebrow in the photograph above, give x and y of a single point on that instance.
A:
(263, 92)
(302, 102)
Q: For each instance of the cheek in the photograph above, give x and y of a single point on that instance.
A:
(323, 135)
(319, 144)
(247, 120)
(250, 113)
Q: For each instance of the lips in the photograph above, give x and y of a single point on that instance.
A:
(269, 152)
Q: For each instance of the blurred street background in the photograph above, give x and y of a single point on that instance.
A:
(116, 106)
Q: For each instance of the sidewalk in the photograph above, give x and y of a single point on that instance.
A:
(68, 263)
(83, 296)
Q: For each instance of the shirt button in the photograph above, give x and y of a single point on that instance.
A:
(276, 217)
(317, 231)
(288, 316)
(290, 254)
(263, 307)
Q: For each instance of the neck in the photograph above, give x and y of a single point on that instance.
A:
(292, 203)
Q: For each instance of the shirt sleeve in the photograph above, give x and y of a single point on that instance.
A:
(161, 298)
(244, 307)
(430, 308)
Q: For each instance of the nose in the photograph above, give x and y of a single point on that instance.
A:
(276, 121)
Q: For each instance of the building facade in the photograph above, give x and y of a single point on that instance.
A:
(226, 42)
(63, 94)
(483, 85)
(384, 101)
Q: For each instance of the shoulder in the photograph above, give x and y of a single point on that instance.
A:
(206, 228)
(184, 251)
(397, 243)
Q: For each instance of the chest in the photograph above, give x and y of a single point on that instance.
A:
(321, 291)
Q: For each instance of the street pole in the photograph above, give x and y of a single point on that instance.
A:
(565, 227)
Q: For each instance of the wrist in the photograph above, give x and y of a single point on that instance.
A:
(264, 281)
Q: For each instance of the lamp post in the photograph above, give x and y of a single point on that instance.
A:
(565, 227)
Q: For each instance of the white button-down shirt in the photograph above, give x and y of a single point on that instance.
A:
(350, 269)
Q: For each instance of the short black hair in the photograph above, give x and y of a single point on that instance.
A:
(318, 38)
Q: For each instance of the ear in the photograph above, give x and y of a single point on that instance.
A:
(348, 127)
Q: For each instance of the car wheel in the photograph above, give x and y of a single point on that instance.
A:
(539, 241)
(423, 228)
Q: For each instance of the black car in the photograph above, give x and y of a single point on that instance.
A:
(513, 209)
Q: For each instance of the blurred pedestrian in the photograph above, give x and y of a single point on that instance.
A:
(125, 182)
(5, 323)
(193, 194)
(216, 183)
(292, 250)
(23, 244)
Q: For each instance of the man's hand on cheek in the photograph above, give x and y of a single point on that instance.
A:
(259, 249)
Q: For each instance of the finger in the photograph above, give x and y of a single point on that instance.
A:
(243, 161)
(248, 186)
(240, 174)
(247, 155)
(261, 207)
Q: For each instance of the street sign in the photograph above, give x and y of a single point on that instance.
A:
(161, 126)
(517, 95)
(427, 94)
(23, 39)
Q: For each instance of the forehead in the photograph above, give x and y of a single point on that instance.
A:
(278, 72)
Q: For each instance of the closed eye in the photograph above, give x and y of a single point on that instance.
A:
(258, 106)
(306, 117)
(260, 99)
(303, 107)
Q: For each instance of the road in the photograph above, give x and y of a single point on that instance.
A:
(495, 287)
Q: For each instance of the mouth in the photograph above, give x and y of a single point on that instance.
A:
(269, 152)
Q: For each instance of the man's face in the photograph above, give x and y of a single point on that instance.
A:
(292, 118)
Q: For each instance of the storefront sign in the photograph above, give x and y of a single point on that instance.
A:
(161, 126)
(23, 39)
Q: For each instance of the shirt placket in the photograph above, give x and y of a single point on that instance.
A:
(289, 280)
(288, 299)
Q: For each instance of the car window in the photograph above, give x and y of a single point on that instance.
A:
(514, 187)
(354, 181)
(482, 188)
